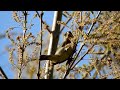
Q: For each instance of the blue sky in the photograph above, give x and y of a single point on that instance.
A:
(6, 22)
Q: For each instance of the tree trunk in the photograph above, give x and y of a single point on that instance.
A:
(54, 38)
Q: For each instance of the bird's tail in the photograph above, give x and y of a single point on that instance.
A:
(45, 57)
(53, 58)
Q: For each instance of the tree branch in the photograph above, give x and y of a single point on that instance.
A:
(81, 48)
(71, 66)
(3, 73)
(93, 23)
(66, 23)
(53, 43)
(40, 16)
(25, 13)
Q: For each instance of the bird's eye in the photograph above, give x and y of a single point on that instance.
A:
(65, 34)
(69, 32)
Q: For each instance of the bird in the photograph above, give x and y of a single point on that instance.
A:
(67, 38)
(64, 52)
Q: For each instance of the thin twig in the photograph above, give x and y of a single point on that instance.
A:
(93, 23)
(88, 34)
(80, 49)
(73, 62)
(83, 56)
(43, 22)
(40, 16)
(65, 23)
(86, 74)
(23, 46)
(81, 17)
(3, 73)
(71, 66)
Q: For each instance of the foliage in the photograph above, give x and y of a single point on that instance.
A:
(97, 51)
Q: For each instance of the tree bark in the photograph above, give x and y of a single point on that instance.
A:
(54, 38)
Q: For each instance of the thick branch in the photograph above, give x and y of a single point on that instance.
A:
(53, 43)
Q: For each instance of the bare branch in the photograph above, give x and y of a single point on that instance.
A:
(66, 23)
(80, 49)
(3, 73)
(44, 24)
(53, 43)
(25, 13)
(41, 15)
(93, 23)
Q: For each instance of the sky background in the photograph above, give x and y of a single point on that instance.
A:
(6, 22)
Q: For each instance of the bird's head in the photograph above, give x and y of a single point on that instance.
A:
(68, 35)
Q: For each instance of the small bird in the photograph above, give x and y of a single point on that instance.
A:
(67, 38)
(64, 52)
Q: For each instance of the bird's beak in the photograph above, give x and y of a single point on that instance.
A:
(69, 34)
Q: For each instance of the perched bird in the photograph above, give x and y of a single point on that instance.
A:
(67, 38)
(64, 52)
